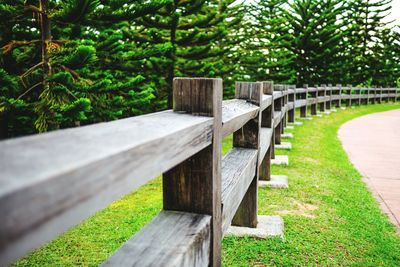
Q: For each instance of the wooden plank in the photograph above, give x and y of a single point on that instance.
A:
(236, 113)
(291, 103)
(50, 182)
(290, 106)
(277, 118)
(321, 99)
(301, 103)
(238, 171)
(266, 101)
(277, 94)
(170, 239)
(195, 184)
(300, 90)
(265, 142)
(249, 91)
(249, 137)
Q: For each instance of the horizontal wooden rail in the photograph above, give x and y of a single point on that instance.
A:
(51, 182)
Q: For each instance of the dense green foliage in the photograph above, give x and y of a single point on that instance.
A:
(67, 63)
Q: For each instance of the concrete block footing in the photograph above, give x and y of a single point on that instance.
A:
(277, 181)
(305, 118)
(284, 146)
(267, 227)
(287, 136)
(282, 160)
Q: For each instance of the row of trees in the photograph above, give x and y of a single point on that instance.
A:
(66, 63)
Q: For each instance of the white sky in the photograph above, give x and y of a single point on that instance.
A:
(395, 12)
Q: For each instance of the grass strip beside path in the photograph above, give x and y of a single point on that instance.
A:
(331, 218)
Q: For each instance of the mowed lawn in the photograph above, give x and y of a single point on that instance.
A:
(331, 219)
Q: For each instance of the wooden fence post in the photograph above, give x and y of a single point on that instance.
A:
(278, 105)
(372, 95)
(292, 99)
(384, 91)
(267, 121)
(285, 99)
(303, 109)
(380, 97)
(339, 101)
(195, 184)
(349, 90)
(314, 105)
(328, 92)
(359, 96)
(322, 92)
(249, 137)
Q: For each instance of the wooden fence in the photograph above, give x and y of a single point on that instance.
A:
(50, 182)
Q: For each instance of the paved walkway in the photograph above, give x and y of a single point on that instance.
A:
(373, 145)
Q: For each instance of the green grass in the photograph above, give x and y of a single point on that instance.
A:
(331, 219)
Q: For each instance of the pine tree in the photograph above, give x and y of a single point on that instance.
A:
(90, 71)
(387, 58)
(192, 28)
(273, 38)
(42, 67)
(316, 37)
(128, 64)
(365, 22)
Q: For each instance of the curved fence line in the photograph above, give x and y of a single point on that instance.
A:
(51, 182)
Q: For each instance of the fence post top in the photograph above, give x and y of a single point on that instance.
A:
(250, 91)
(268, 87)
(198, 96)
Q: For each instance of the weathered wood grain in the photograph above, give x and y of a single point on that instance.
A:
(322, 97)
(277, 118)
(277, 94)
(170, 239)
(312, 99)
(328, 98)
(236, 113)
(238, 171)
(291, 102)
(265, 142)
(300, 90)
(249, 91)
(266, 101)
(265, 166)
(194, 185)
(50, 182)
(301, 103)
(249, 137)
(302, 94)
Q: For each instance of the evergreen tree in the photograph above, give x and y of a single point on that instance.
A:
(192, 28)
(387, 59)
(316, 37)
(366, 19)
(88, 70)
(41, 87)
(274, 40)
